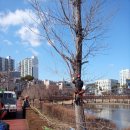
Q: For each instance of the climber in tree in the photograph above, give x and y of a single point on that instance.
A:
(78, 85)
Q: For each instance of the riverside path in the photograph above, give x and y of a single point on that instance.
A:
(17, 123)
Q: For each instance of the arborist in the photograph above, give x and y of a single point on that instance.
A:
(78, 91)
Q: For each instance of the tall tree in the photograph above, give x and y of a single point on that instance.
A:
(72, 28)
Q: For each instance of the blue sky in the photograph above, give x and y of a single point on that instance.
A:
(19, 42)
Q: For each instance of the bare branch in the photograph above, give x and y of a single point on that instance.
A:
(69, 14)
(84, 62)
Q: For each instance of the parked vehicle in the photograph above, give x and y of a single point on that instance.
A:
(10, 101)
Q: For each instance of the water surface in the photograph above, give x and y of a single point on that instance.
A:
(119, 114)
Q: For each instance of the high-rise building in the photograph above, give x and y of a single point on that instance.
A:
(29, 66)
(6, 64)
(124, 74)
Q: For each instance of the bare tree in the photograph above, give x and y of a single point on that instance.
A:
(5, 81)
(72, 28)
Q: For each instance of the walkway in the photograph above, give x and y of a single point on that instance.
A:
(18, 123)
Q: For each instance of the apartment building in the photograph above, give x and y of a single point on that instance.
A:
(29, 66)
(7, 64)
(124, 74)
(105, 85)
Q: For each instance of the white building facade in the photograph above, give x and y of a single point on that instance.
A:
(105, 85)
(47, 83)
(124, 74)
(29, 66)
(65, 84)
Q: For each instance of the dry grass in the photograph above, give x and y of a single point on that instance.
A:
(59, 112)
(63, 115)
(34, 122)
(68, 116)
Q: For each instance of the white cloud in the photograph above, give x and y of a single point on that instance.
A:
(34, 52)
(29, 37)
(26, 26)
(19, 17)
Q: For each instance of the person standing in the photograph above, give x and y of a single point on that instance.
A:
(25, 105)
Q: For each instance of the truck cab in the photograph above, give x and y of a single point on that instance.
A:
(9, 100)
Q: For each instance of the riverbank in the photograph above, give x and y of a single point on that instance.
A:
(38, 121)
(60, 117)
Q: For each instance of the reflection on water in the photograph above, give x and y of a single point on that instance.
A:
(119, 114)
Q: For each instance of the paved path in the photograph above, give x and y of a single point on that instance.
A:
(17, 123)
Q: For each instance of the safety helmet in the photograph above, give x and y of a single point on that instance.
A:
(78, 75)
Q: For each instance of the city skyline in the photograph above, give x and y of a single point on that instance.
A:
(24, 43)
(33, 62)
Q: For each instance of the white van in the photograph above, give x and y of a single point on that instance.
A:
(10, 101)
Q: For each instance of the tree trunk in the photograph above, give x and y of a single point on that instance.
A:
(79, 110)
(80, 117)
(78, 30)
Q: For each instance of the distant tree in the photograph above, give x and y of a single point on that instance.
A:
(115, 88)
(41, 92)
(27, 78)
(4, 80)
(124, 86)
